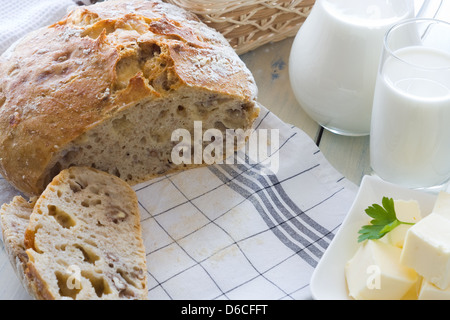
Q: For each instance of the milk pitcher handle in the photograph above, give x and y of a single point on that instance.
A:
(430, 8)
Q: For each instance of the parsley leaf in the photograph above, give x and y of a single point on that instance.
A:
(384, 220)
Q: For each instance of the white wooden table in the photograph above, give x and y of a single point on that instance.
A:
(269, 64)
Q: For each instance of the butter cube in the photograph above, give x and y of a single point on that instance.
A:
(429, 291)
(374, 273)
(406, 211)
(442, 204)
(413, 292)
(427, 249)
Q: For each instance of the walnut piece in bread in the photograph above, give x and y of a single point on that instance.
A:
(83, 239)
(106, 87)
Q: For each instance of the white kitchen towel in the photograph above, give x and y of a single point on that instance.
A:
(227, 231)
(18, 17)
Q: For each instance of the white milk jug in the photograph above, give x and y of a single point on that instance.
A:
(334, 59)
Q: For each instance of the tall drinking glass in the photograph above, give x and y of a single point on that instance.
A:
(410, 126)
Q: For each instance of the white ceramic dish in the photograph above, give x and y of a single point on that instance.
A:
(328, 279)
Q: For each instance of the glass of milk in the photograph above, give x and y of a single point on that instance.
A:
(410, 130)
(334, 59)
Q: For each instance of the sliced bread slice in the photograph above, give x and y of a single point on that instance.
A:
(83, 240)
(14, 219)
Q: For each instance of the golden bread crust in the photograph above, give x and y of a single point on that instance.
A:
(65, 79)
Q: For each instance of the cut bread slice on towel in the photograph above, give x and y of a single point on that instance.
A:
(14, 219)
(81, 239)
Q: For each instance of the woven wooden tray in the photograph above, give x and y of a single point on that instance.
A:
(248, 24)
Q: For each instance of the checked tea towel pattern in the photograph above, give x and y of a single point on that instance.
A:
(228, 232)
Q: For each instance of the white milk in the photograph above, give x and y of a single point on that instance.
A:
(335, 56)
(410, 137)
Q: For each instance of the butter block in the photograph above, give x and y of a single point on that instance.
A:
(427, 249)
(374, 273)
(413, 292)
(442, 204)
(406, 211)
(429, 291)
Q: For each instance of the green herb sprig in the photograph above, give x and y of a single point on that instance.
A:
(384, 220)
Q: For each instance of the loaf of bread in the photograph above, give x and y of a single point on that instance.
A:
(107, 86)
(81, 239)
